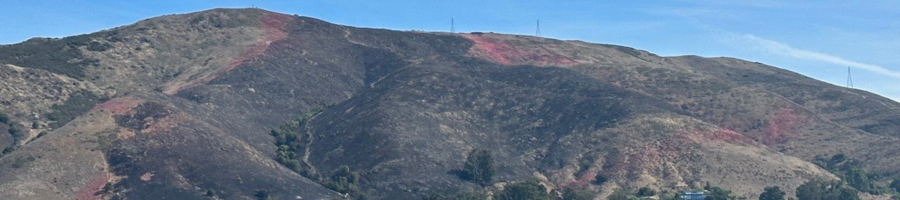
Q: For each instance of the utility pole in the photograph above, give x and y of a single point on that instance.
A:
(538, 31)
(849, 78)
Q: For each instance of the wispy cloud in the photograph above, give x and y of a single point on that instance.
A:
(778, 48)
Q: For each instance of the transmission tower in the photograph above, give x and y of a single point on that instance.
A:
(538, 31)
(849, 78)
(452, 28)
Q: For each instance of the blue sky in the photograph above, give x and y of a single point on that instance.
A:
(819, 39)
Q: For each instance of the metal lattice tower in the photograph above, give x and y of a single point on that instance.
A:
(452, 26)
(538, 31)
(849, 78)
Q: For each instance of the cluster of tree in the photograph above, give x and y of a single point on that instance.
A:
(895, 185)
(642, 193)
(57, 56)
(78, 103)
(772, 193)
(10, 128)
(826, 190)
(526, 190)
(852, 173)
(346, 182)
(479, 167)
(291, 140)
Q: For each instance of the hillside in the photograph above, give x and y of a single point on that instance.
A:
(184, 107)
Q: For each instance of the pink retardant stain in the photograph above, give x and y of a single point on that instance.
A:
(272, 23)
(91, 191)
(582, 181)
(117, 106)
(780, 126)
(498, 51)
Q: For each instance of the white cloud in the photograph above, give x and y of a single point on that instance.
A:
(782, 49)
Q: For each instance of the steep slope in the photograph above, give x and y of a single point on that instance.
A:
(181, 107)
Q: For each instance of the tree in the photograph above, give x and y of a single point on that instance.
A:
(826, 190)
(620, 195)
(528, 190)
(646, 192)
(471, 195)
(717, 193)
(345, 181)
(896, 185)
(599, 179)
(772, 193)
(479, 167)
(4, 119)
(262, 194)
(573, 194)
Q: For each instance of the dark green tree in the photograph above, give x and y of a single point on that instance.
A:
(826, 190)
(345, 181)
(573, 194)
(527, 190)
(717, 193)
(646, 192)
(895, 184)
(4, 119)
(479, 167)
(772, 193)
(472, 195)
(620, 195)
(599, 179)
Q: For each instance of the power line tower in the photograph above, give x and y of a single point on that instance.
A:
(538, 31)
(849, 78)
(452, 26)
